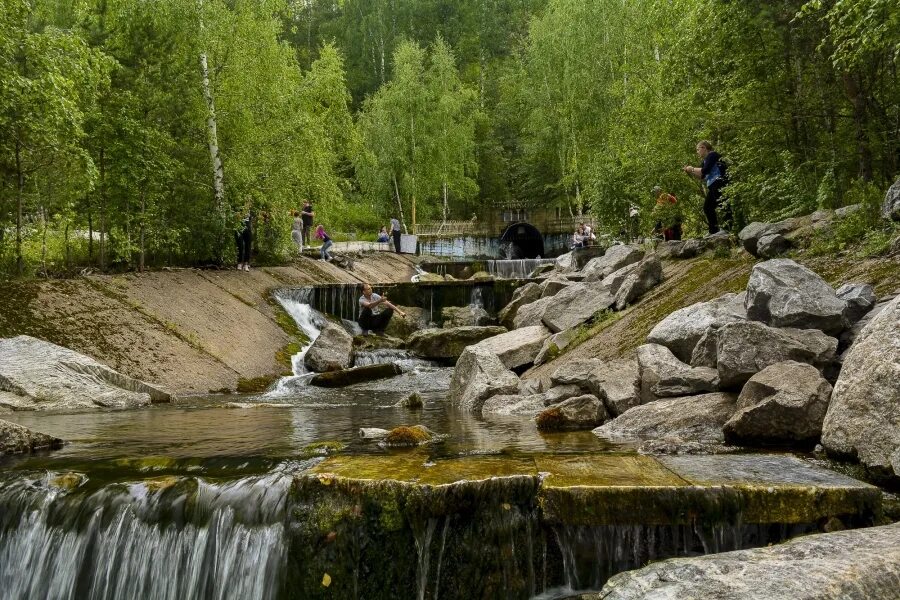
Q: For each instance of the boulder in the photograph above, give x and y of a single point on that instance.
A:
(541, 270)
(566, 263)
(750, 235)
(617, 383)
(575, 305)
(477, 376)
(720, 239)
(345, 377)
(845, 211)
(403, 327)
(553, 284)
(532, 313)
(577, 372)
(850, 334)
(15, 439)
(516, 348)
(863, 419)
(890, 209)
(642, 279)
(557, 394)
(668, 249)
(855, 564)
(581, 412)
(513, 404)
(554, 345)
(690, 248)
(523, 295)
(663, 375)
(614, 259)
(534, 386)
(859, 299)
(782, 293)
(746, 348)
(39, 375)
(408, 437)
(331, 351)
(449, 343)
(614, 280)
(771, 245)
(464, 316)
(681, 330)
(692, 418)
(784, 403)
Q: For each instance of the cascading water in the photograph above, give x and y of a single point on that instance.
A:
(310, 323)
(166, 538)
(516, 268)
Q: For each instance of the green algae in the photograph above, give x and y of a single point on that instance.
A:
(255, 385)
(605, 470)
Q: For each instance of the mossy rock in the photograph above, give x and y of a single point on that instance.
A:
(551, 420)
(406, 437)
(345, 377)
(255, 385)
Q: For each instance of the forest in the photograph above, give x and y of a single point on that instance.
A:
(138, 134)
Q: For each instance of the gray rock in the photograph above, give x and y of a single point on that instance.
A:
(746, 348)
(614, 259)
(578, 372)
(782, 293)
(402, 327)
(849, 335)
(663, 375)
(575, 305)
(863, 418)
(750, 235)
(541, 270)
(516, 348)
(720, 239)
(536, 385)
(681, 330)
(345, 377)
(15, 439)
(557, 394)
(566, 263)
(373, 433)
(331, 351)
(706, 350)
(617, 383)
(692, 418)
(463, 316)
(890, 209)
(771, 245)
(554, 345)
(39, 375)
(860, 564)
(523, 295)
(821, 216)
(668, 249)
(581, 412)
(448, 343)
(784, 403)
(859, 299)
(532, 313)
(638, 282)
(690, 248)
(477, 376)
(514, 404)
(553, 284)
(845, 211)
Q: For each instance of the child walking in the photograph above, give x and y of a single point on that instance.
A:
(326, 241)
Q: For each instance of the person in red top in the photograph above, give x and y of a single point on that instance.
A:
(665, 205)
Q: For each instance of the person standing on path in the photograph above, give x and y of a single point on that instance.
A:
(307, 215)
(395, 233)
(375, 311)
(326, 242)
(243, 237)
(712, 171)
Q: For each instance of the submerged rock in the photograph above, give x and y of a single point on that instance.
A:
(345, 377)
(39, 375)
(580, 412)
(478, 375)
(516, 348)
(681, 330)
(372, 433)
(784, 403)
(331, 351)
(514, 404)
(614, 259)
(413, 401)
(449, 343)
(15, 439)
(692, 418)
(782, 293)
(859, 564)
(864, 413)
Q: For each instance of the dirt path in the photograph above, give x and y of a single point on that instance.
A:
(189, 330)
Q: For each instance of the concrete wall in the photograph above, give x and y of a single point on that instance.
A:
(483, 247)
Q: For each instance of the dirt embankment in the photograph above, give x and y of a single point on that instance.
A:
(704, 278)
(189, 330)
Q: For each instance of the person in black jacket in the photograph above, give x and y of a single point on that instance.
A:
(713, 172)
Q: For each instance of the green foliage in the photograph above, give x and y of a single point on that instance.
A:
(863, 230)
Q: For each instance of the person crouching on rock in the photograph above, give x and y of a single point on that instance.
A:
(375, 311)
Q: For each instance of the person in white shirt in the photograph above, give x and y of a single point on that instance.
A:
(375, 311)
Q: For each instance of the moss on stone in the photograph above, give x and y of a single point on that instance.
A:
(407, 436)
(255, 385)
(550, 420)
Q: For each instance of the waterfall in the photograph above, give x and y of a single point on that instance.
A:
(310, 322)
(515, 269)
(165, 538)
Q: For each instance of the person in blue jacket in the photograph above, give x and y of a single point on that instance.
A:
(713, 172)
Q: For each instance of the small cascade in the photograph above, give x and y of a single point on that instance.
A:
(515, 269)
(476, 300)
(310, 322)
(402, 358)
(165, 538)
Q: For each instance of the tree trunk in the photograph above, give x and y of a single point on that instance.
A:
(102, 210)
(20, 193)
(399, 203)
(143, 218)
(66, 242)
(857, 98)
(90, 236)
(44, 241)
(213, 140)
